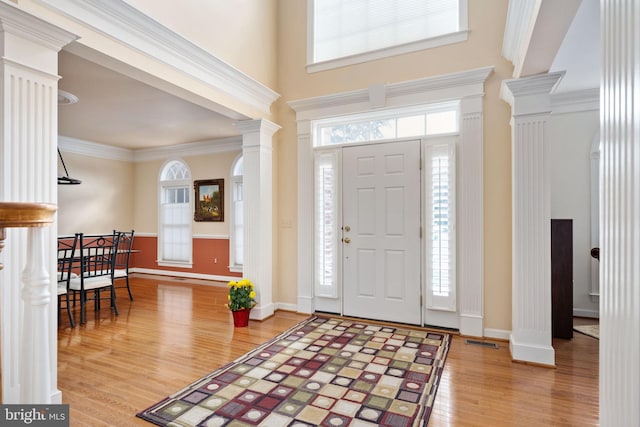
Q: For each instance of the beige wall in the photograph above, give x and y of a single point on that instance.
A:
(483, 48)
(243, 33)
(104, 200)
(211, 166)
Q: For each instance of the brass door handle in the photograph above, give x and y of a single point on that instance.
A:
(347, 240)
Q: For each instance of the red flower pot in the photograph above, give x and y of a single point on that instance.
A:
(241, 318)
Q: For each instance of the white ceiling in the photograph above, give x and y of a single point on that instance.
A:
(579, 53)
(119, 111)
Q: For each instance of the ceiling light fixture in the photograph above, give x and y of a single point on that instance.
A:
(66, 98)
(65, 180)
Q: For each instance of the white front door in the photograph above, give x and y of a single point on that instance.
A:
(381, 231)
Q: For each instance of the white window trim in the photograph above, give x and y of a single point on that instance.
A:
(233, 266)
(443, 40)
(434, 302)
(333, 156)
(161, 185)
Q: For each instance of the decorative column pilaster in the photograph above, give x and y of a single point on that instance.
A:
(620, 214)
(471, 227)
(257, 154)
(305, 218)
(28, 159)
(530, 100)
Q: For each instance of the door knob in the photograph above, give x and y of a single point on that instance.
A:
(347, 228)
(347, 240)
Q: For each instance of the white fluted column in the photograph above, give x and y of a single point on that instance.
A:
(620, 214)
(305, 218)
(471, 227)
(530, 100)
(28, 159)
(257, 155)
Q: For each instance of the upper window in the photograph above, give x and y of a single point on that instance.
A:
(353, 31)
(174, 230)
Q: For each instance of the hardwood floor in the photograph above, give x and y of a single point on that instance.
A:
(176, 331)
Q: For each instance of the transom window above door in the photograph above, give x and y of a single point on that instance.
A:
(434, 119)
(344, 32)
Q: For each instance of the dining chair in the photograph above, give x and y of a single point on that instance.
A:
(96, 255)
(66, 257)
(121, 266)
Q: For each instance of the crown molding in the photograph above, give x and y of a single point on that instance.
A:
(413, 92)
(576, 101)
(103, 151)
(128, 26)
(190, 149)
(18, 22)
(521, 19)
(94, 149)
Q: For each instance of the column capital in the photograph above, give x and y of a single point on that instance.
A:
(22, 24)
(530, 95)
(263, 126)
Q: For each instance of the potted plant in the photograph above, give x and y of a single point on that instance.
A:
(241, 301)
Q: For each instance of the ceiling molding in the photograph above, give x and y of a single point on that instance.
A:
(102, 151)
(16, 21)
(521, 19)
(94, 149)
(128, 26)
(534, 32)
(190, 149)
(576, 101)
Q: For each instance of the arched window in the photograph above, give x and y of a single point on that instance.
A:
(236, 238)
(174, 222)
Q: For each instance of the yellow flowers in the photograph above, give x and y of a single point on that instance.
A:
(241, 295)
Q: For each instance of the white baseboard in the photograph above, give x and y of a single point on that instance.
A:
(499, 334)
(261, 312)
(286, 306)
(580, 312)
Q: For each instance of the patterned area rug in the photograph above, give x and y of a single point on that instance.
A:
(321, 372)
(591, 330)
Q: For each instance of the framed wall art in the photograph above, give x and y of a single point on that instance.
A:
(209, 200)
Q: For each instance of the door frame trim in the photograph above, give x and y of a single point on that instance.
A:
(468, 88)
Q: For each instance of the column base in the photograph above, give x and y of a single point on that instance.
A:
(532, 353)
(471, 325)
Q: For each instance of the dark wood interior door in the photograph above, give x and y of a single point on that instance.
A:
(562, 278)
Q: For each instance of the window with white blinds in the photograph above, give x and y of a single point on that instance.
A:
(236, 240)
(344, 28)
(326, 223)
(174, 239)
(440, 225)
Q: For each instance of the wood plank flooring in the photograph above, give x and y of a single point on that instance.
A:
(176, 331)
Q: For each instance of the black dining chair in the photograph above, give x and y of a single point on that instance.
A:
(121, 266)
(96, 254)
(66, 257)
